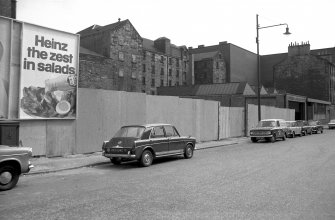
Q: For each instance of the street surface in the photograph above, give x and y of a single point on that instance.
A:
(292, 179)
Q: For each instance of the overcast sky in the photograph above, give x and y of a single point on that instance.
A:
(193, 22)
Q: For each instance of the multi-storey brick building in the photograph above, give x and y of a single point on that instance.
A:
(8, 8)
(126, 61)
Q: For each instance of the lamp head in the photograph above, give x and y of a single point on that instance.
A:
(287, 32)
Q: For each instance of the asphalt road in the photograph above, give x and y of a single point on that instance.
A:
(292, 179)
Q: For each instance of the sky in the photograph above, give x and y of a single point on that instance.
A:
(193, 22)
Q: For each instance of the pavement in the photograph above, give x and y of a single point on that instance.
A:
(55, 164)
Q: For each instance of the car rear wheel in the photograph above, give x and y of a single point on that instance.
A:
(146, 158)
(188, 152)
(9, 177)
(273, 138)
(293, 135)
(116, 160)
(254, 140)
(321, 131)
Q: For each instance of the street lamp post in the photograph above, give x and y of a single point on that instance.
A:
(258, 62)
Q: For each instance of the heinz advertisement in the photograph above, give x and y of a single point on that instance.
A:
(49, 73)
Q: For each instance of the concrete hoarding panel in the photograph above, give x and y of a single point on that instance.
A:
(110, 115)
(162, 109)
(186, 124)
(13, 101)
(60, 137)
(33, 134)
(209, 119)
(133, 108)
(224, 122)
(5, 48)
(88, 123)
(236, 122)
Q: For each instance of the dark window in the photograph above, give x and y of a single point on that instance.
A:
(170, 60)
(162, 82)
(177, 62)
(153, 82)
(146, 134)
(143, 80)
(157, 132)
(217, 65)
(177, 74)
(162, 71)
(144, 55)
(170, 72)
(170, 131)
(153, 69)
(144, 69)
(170, 83)
(162, 59)
(153, 57)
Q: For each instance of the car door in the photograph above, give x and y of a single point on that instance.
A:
(158, 141)
(176, 144)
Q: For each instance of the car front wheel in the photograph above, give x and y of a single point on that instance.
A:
(9, 177)
(188, 152)
(146, 158)
(254, 140)
(273, 138)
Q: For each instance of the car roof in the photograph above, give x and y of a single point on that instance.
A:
(148, 125)
(272, 120)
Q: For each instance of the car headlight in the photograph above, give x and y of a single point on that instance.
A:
(268, 132)
(251, 132)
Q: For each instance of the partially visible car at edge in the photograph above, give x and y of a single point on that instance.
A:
(305, 127)
(146, 142)
(331, 124)
(269, 129)
(293, 129)
(316, 126)
(14, 161)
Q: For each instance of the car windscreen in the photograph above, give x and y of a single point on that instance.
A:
(130, 131)
(266, 124)
(290, 124)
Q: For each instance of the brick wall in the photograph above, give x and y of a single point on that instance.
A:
(303, 75)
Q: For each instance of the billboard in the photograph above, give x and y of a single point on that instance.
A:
(49, 73)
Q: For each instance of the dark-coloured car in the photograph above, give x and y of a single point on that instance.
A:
(269, 129)
(305, 127)
(316, 126)
(13, 162)
(146, 142)
(331, 124)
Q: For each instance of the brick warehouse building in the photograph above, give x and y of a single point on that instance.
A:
(123, 60)
(304, 72)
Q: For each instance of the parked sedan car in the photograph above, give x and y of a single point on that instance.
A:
(293, 129)
(146, 142)
(331, 124)
(305, 127)
(13, 162)
(316, 126)
(269, 129)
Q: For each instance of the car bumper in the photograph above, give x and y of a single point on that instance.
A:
(261, 136)
(127, 156)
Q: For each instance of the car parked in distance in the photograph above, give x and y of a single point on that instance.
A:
(305, 127)
(293, 129)
(269, 129)
(316, 126)
(331, 124)
(13, 162)
(146, 142)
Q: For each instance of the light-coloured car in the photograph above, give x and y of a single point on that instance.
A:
(293, 129)
(13, 162)
(331, 124)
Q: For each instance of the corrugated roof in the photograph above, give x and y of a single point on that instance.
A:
(218, 89)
